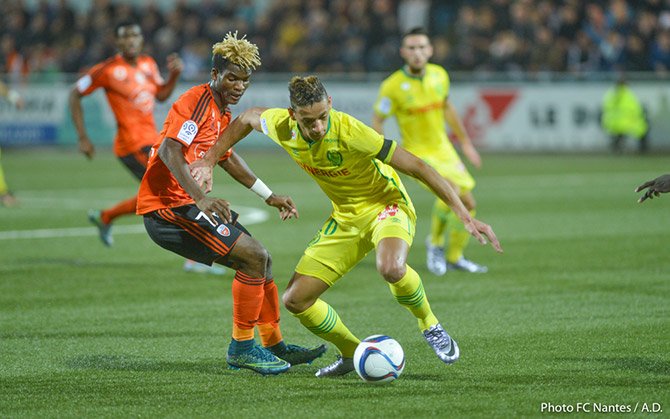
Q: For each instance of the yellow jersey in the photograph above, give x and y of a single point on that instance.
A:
(342, 163)
(418, 105)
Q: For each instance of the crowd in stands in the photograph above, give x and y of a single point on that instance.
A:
(512, 36)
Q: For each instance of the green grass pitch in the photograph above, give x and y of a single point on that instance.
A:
(576, 310)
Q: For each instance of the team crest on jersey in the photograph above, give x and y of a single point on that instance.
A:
(389, 211)
(334, 157)
(294, 134)
(120, 72)
(223, 230)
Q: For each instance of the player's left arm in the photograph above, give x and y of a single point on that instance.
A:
(240, 171)
(175, 65)
(249, 120)
(455, 123)
(407, 163)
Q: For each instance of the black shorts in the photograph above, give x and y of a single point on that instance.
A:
(186, 231)
(137, 162)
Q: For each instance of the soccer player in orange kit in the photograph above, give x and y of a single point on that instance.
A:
(180, 217)
(132, 84)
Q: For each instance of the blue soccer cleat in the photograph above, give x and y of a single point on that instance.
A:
(294, 354)
(105, 230)
(257, 359)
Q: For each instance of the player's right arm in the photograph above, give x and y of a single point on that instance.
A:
(657, 186)
(85, 144)
(96, 77)
(378, 123)
(170, 152)
(201, 169)
(383, 107)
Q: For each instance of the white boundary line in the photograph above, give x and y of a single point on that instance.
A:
(248, 216)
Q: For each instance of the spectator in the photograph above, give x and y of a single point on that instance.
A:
(660, 53)
(342, 35)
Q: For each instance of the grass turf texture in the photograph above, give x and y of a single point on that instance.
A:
(576, 310)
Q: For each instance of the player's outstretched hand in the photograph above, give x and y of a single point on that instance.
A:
(211, 206)
(472, 155)
(174, 63)
(657, 186)
(284, 204)
(202, 173)
(479, 229)
(86, 147)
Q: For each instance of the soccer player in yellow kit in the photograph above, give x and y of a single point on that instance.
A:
(356, 168)
(418, 96)
(6, 197)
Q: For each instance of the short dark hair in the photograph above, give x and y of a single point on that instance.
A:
(124, 23)
(305, 91)
(418, 30)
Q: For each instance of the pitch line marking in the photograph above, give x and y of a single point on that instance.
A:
(248, 216)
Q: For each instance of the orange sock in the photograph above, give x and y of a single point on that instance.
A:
(128, 206)
(268, 321)
(247, 302)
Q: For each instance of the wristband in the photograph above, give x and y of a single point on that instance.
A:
(260, 189)
(13, 97)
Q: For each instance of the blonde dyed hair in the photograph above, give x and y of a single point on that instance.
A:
(305, 91)
(234, 50)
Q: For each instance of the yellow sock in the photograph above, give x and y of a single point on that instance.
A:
(439, 222)
(409, 292)
(3, 185)
(458, 238)
(324, 322)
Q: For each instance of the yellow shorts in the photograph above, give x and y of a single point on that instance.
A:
(454, 170)
(339, 246)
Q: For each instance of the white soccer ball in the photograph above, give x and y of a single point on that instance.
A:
(379, 359)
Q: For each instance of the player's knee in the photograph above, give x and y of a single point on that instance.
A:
(256, 260)
(293, 302)
(392, 271)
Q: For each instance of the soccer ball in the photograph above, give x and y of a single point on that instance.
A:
(379, 359)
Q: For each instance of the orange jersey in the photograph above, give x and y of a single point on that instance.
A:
(131, 92)
(195, 121)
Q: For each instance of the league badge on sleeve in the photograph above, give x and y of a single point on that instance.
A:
(188, 131)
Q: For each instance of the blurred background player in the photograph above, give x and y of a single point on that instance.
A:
(132, 83)
(418, 96)
(180, 217)
(6, 197)
(356, 168)
(624, 116)
(656, 187)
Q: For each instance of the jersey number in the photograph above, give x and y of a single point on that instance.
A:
(203, 215)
